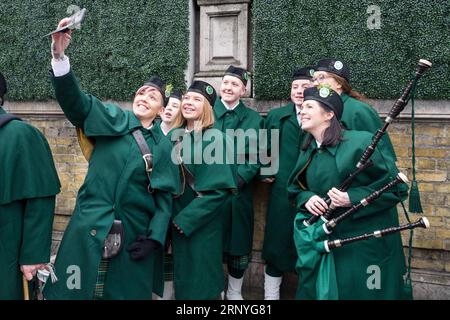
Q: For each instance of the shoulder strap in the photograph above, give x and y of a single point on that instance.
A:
(5, 118)
(147, 156)
(186, 174)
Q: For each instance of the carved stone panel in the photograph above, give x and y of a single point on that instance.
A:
(222, 39)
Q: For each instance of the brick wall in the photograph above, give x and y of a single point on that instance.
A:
(432, 168)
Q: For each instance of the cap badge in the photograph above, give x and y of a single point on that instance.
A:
(338, 65)
(324, 92)
(209, 90)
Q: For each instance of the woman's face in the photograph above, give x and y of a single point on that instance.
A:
(323, 77)
(171, 111)
(313, 116)
(192, 106)
(147, 103)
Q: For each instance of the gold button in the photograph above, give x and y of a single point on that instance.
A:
(93, 232)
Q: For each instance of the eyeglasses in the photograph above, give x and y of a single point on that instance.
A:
(319, 79)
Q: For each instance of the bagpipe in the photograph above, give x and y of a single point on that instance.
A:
(315, 263)
(364, 161)
(421, 223)
(330, 225)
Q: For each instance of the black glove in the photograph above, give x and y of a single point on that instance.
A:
(142, 247)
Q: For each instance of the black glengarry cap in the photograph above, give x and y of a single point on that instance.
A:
(239, 73)
(335, 66)
(328, 97)
(176, 94)
(303, 74)
(205, 89)
(158, 83)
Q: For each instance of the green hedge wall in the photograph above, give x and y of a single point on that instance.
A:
(295, 33)
(120, 44)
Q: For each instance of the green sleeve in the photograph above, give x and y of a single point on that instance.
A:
(37, 231)
(88, 112)
(159, 224)
(247, 171)
(300, 197)
(201, 211)
(250, 168)
(26, 156)
(75, 103)
(165, 175)
(297, 194)
(270, 124)
(303, 197)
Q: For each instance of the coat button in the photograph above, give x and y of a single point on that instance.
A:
(93, 232)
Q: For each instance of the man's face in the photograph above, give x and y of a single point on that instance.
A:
(148, 103)
(297, 88)
(231, 89)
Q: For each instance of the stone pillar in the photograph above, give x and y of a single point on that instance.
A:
(222, 39)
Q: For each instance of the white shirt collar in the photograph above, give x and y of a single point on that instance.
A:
(228, 107)
(318, 144)
(297, 113)
(164, 130)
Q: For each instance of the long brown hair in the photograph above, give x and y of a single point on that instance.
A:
(347, 88)
(206, 120)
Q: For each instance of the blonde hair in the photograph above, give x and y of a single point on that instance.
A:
(347, 88)
(205, 121)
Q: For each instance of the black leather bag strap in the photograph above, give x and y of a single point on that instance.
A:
(186, 174)
(5, 118)
(147, 156)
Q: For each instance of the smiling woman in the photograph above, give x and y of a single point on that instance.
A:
(329, 146)
(198, 218)
(148, 101)
(196, 107)
(118, 190)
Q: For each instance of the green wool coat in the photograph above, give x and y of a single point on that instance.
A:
(278, 247)
(197, 253)
(115, 188)
(239, 214)
(28, 185)
(355, 261)
(359, 116)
